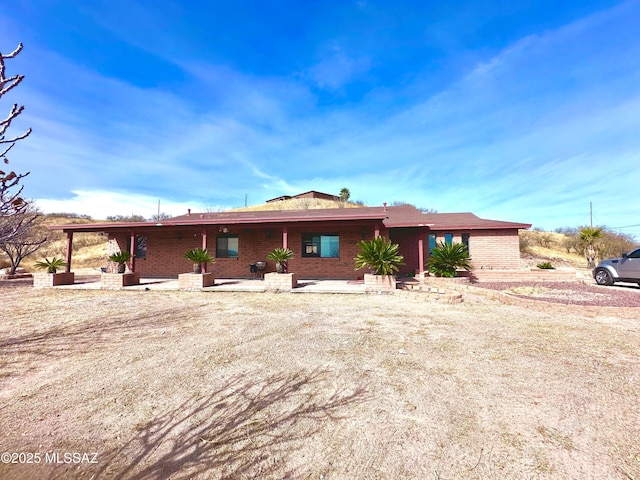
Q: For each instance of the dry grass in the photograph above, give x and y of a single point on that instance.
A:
(190, 385)
(89, 249)
(300, 204)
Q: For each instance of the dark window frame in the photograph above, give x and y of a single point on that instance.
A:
(224, 251)
(312, 248)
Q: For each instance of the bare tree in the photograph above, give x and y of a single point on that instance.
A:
(11, 202)
(27, 235)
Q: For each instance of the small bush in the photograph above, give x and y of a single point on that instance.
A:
(545, 266)
(447, 258)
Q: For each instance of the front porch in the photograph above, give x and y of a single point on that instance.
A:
(93, 282)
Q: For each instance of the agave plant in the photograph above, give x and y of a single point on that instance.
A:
(120, 258)
(379, 255)
(447, 258)
(281, 256)
(198, 256)
(51, 266)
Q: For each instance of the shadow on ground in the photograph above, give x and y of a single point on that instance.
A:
(248, 427)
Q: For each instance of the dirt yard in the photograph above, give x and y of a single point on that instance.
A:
(150, 385)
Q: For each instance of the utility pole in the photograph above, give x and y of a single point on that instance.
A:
(591, 214)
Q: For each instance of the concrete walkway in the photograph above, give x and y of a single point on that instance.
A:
(92, 282)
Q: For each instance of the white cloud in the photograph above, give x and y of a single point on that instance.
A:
(101, 204)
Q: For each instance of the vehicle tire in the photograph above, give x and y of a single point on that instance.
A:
(603, 277)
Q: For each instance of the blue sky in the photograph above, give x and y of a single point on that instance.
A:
(522, 111)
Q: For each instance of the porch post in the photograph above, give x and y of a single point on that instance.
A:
(69, 248)
(377, 231)
(285, 237)
(132, 249)
(421, 251)
(204, 247)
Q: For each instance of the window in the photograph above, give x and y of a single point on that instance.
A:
(320, 245)
(465, 241)
(432, 242)
(448, 238)
(634, 254)
(140, 248)
(227, 246)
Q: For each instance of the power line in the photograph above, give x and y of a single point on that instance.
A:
(626, 226)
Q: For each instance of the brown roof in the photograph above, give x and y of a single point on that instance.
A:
(392, 217)
(309, 194)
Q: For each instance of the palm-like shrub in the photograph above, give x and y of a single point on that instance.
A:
(51, 266)
(447, 258)
(198, 256)
(120, 258)
(281, 256)
(379, 255)
(590, 237)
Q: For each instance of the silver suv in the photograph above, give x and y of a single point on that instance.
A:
(625, 269)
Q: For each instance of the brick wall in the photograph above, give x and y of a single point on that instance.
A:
(165, 249)
(407, 239)
(499, 249)
(495, 249)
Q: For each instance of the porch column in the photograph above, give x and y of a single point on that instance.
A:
(377, 231)
(132, 249)
(69, 248)
(285, 237)
(421, 251)
(204, 247)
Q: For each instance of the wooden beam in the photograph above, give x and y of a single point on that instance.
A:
(132, 249)
(204, 247)
(69, 249)
(421, 251)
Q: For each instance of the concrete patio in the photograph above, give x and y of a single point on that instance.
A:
(92, 282)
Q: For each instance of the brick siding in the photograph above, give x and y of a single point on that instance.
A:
(498, 249)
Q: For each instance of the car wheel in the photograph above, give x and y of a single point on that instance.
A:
(603, 277)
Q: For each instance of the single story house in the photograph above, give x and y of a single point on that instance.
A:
(323, 241)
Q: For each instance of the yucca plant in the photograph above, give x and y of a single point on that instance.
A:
(447, 258)
(379, 255)
(51, 266)
(198, 256)
(120, 258)
(281, 256)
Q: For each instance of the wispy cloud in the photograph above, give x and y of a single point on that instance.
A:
(531, 132)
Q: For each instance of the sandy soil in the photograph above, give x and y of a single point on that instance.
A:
(220, 385)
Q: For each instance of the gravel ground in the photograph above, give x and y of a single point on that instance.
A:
(571, 293)
(187, 385)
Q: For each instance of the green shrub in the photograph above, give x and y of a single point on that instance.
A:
(51, 266)
(281, 256)
(447, 258)
(198, 255)
(545, 266)
(379, 255)
(120, 257)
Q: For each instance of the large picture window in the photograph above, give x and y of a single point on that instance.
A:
(324, 245)
(227, 246)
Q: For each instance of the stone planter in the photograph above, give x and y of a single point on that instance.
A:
(116, 281)
(48, 280)
(195, 281)
(280, 282)
(379, 283)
